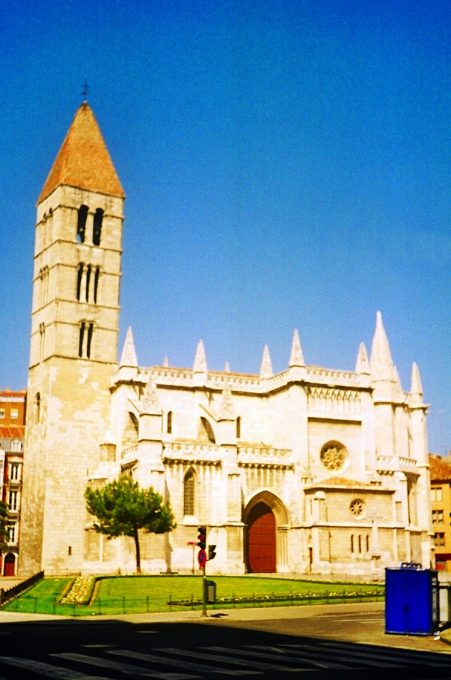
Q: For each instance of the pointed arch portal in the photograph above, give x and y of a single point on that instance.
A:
(261, 540)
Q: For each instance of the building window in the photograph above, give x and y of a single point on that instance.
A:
(238, 427)
(88, 281)
(436, 493)
(2, 413)
(13, 500)
(11, 528)
(81, 223)
(169, 422)
(439, 539)
(97, 227)
(16, 445)
(89, 342)
(79, 279)
(14, 413)
(37, 408)
(333, 456)
(14, 472)
(437, 516)
(357, 507)
(188, 493)
(96, 282)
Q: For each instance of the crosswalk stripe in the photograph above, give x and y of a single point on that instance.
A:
(375, 657)
(228, 658)
(48, 670)
(288, 669)
(190, 665)
(127, 669)
(310, 656)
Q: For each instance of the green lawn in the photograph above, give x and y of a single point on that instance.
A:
(129, 594)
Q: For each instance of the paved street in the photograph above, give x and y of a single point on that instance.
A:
(318, 642)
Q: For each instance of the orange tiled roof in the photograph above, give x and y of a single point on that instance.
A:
(83, 160)
(12, 431)
(440, 469)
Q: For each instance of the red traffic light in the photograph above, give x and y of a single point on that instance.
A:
(202, 537)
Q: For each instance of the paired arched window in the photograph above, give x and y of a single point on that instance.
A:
(189, 493)
(81, 223)
(88, 278)
(82, 217)
(85, 334)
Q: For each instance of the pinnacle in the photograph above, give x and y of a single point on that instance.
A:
(83, 160)
(381, 359)
(362, 364)
(200, 360)
(296, 356)
(266, 365)
(128, 356)
(416, 386)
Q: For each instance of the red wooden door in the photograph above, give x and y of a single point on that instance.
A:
(261, 540)
(9, 564)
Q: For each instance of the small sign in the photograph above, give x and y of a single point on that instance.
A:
(202, 557)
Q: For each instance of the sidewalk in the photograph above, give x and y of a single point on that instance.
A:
(255, 616)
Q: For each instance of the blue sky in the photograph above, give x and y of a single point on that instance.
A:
(286, 166)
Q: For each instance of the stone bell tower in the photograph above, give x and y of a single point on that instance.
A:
(74, 335)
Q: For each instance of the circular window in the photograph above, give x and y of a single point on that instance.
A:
(357, 507)
(333, 455)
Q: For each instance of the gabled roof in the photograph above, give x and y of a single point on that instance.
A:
(440, 470)
(83, 160)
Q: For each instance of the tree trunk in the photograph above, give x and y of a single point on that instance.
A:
(138, 550)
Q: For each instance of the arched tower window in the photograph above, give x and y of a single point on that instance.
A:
(206, 433)
(37, 408)
(79, 279)
(97, 227)
(88, 281)
(189, 495)
(81, 223)
(96, 282)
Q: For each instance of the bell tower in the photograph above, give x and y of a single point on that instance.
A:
(74, 336)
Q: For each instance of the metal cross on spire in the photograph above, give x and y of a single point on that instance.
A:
(85, 90)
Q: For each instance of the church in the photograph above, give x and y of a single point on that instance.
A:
(309, 470)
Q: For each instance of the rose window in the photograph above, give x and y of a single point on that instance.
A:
(357, 507)
(333, 456)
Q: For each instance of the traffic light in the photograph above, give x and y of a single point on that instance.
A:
(202, 537)
(211, 552)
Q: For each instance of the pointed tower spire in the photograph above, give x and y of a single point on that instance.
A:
(83, 160)
(416, 388)
(128, 356)
(381, 359)
(200, 360)
(296, 356)
(266, 365)
(165, 361)
(362, 364)
(226, 367)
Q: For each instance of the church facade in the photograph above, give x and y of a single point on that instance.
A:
(310, 470)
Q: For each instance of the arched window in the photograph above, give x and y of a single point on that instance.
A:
(206, 433)
(189, 485)
(96, 282)
(97, 227)
(81, 223)
(81, 337)
(238, 427)
(169, 422)
(37, 408)
(88, 281)
(79, 278)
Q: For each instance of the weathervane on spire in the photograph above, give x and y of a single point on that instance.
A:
(85, 90)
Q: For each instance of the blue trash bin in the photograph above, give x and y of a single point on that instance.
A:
(411, 600)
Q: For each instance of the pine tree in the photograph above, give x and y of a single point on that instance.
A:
(122, 508)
